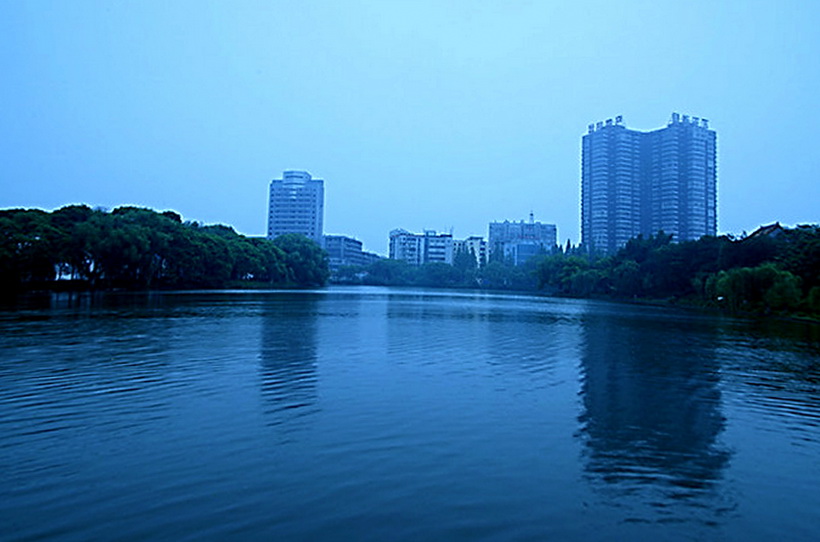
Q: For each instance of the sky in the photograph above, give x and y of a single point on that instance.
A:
(443, 115)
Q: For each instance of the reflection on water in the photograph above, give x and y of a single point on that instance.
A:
(287, 355)
(527, 333)
(385, 414)
(652, 412)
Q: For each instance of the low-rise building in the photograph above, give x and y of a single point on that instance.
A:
(406, 246)
(369, 258)
(345, 251)
(342, 251)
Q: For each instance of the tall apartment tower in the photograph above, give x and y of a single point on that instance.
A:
(297, 205)
(639, 183)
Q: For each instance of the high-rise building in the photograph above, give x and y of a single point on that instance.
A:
(517, 242)
(639, 183)
(297, 205)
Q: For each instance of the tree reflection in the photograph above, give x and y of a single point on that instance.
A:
(288, 355)
(652, 408)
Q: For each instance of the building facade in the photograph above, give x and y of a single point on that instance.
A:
(419, 249)
(296, 205)
(406, 246)
(345, 251)
(516, 242)
(639, 183)
(369, 258)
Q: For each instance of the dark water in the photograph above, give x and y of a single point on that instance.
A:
(375, 414)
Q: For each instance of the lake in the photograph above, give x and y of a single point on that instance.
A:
(398, 414)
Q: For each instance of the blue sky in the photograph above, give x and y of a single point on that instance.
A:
(420, 115)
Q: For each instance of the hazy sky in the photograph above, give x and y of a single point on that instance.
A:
(420, 115)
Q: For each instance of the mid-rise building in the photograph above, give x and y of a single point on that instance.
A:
(370, 258)
(430, 247)
(345, 251)
(639, 183)
(517, 242)
(296, 205)
(419, 249)
(406, 246)
(342, 251)
(438, 247)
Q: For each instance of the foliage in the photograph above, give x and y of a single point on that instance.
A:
(305, 260)
(465, 261)
(764, 288)
(463, 273)
(498, 275)
(137, 248)
(759, 274)
(388, 273)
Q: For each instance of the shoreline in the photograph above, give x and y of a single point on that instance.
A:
(76, 288)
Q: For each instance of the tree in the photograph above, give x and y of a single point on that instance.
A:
(439, 274)
(28, 248)
(762, 289)
(627, 279)
(307, 262)
(387, 272)
(274, 268)
(465, 264)
(135, 248)
(465, 260)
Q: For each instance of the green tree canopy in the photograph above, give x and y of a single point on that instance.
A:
(137, 248)
(306, 260)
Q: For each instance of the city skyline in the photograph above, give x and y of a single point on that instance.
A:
(420, 115)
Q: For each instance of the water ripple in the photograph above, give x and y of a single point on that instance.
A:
(378, 414)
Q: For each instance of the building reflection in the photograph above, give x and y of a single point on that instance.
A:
(288, 355)
(652, 408)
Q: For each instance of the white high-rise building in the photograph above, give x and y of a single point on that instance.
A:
(297, 205)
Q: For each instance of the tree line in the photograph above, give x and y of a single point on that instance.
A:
(778, 273)
(463, 273)
(137, 248)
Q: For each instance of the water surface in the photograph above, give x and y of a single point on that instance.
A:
(379, 414)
